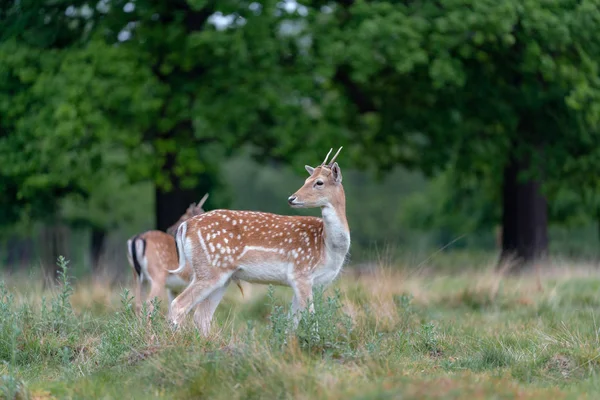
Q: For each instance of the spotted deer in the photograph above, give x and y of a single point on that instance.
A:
(259, 247)
(152, 253)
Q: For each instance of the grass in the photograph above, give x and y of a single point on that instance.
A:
(384, 334)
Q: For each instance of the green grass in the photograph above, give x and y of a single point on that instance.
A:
(379, 336)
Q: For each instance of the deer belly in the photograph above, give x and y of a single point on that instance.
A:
(268, 273)
(176, 283)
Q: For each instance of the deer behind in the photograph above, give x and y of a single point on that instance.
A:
(151, 254)
(295, 251)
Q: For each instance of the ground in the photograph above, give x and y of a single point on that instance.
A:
(389, 333)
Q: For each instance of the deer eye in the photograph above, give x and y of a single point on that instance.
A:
(319, 183)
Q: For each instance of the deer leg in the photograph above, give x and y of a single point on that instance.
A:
(142, 292)
(171, 296)
(155, 289)
(196, 292)
(206, 309)
(302, 297)
(137, 292)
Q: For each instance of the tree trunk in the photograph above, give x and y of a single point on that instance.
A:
(97, 246)
(170, 205)
(55, 242)
(598, 229)
(524, 220)
(19, 252)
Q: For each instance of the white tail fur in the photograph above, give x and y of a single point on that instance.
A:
(179, 239)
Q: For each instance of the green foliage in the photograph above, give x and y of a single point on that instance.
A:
(61, 318)
(428, 340)
(445, 208)
(29, 337)
(470, 84)
(12, 388)
(85, 108)
(325, 331)
(9, 330)
(120, 336)
(73, 130)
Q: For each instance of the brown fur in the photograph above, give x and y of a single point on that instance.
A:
(160, 256)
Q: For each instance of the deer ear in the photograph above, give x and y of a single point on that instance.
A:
(337, 173)
(309, 169)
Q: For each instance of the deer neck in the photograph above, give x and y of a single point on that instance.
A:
(336, 230)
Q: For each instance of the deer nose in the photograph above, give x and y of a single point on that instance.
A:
(291, 199)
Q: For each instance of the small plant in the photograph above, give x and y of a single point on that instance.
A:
(279, 321)
(12, 388)
(325, 331)
(405, 310)
(127, 302)
(428, 340)
(403, 302)
(373, 347)
(124, 330)
(9, 326)
(154, 316)
(60, 318)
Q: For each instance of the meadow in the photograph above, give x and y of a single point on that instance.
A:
(391, 331)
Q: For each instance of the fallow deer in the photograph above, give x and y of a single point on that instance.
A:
(152, 253)
(259, 247)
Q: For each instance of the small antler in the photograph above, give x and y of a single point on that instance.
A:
(335, 156)
(325, 160)
(202, 201)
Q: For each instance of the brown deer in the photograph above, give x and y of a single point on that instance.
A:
(259, 247)
(152, 253)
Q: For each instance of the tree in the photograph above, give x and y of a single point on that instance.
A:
(498, 90)
(154, 90)
(58, 140)
(245, 82)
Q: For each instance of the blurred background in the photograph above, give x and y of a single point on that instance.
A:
(470, 128)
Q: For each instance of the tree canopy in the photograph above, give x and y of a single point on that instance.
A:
(504, 95)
